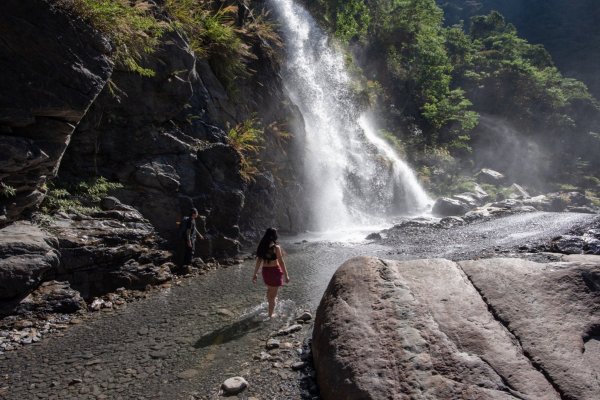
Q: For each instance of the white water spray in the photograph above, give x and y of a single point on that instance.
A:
(354, 177)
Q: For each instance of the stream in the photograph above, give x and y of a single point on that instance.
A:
(183, 342)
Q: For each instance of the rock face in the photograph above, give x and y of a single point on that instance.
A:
(26, 254)
(108, 250)
(487, 329)
(46, 87)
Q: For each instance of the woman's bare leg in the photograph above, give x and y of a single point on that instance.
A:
(272, 298)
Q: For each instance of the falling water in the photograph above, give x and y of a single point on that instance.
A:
(353, 176)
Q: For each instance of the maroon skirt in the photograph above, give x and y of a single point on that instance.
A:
(273, 276)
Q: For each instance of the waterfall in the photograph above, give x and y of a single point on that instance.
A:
(353, 176)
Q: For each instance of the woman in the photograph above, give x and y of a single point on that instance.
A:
(268, 255)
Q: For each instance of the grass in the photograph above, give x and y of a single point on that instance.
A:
(247, 138)
(84, 196)
(7, 191)
(130, 25)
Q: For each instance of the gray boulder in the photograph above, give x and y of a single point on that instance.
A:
(26, 254)
(446, 207)
(107, 250)
(518, 192)
(487, 329)
(490, 176)
(52, 297)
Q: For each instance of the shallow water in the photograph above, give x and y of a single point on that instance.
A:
(215, 324)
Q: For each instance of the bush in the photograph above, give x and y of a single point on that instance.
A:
(131, 27)
(247, 138)
(84, 196)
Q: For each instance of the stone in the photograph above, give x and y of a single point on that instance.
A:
(445, 207)
(288, 330)
(518, 192)
(26, 254)
(298, 365)
(373, 236)
(52, 297)
(421, 329)
(305, 316)
(451, 221)
(225, 312)
(568, 244)
(272, 344)
(234, 385)
(552, 309)
(490, 176)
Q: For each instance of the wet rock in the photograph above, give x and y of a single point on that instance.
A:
(305, 316)
(288, 330)
(448, 222)
(272, 344)
(541, 202)
(225, 312)
(568, 244)
(108, 250)
(518, 192)
(582, 209)
(469, 199)
(26, 254)
(479, 193)
(52, 297)
(234, 385)
(490, 176)
(444, 207)
(298, 365)
(373, 236)
(406, 323)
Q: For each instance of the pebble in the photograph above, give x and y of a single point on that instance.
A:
(234, 385)
(289, 329)
(272, 344)
(298, 365)
(225, 312)
(306, 316)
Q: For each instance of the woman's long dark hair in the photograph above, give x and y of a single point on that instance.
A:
(269, 236)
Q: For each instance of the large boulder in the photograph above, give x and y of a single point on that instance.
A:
(486, 329)
(445, 207)
(46, 86)
(106, 250)
(490, 176)
(26, 254)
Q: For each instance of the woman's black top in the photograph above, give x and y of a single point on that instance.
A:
(271, 254)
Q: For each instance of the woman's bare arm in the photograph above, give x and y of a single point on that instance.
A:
(256, 268)
(282, 263)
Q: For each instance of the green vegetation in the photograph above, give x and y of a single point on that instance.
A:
(84, 196)
(445, 80)
(247, 138)
(213, 28)
(130, 25)
(7, 191)
(217, 34)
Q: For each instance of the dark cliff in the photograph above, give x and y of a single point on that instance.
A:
(72, 113)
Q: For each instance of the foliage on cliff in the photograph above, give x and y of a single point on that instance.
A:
(222, 32)
(434, 83)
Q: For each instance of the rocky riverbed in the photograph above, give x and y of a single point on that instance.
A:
(184, 340)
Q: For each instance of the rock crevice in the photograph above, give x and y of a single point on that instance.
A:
(439, 329)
